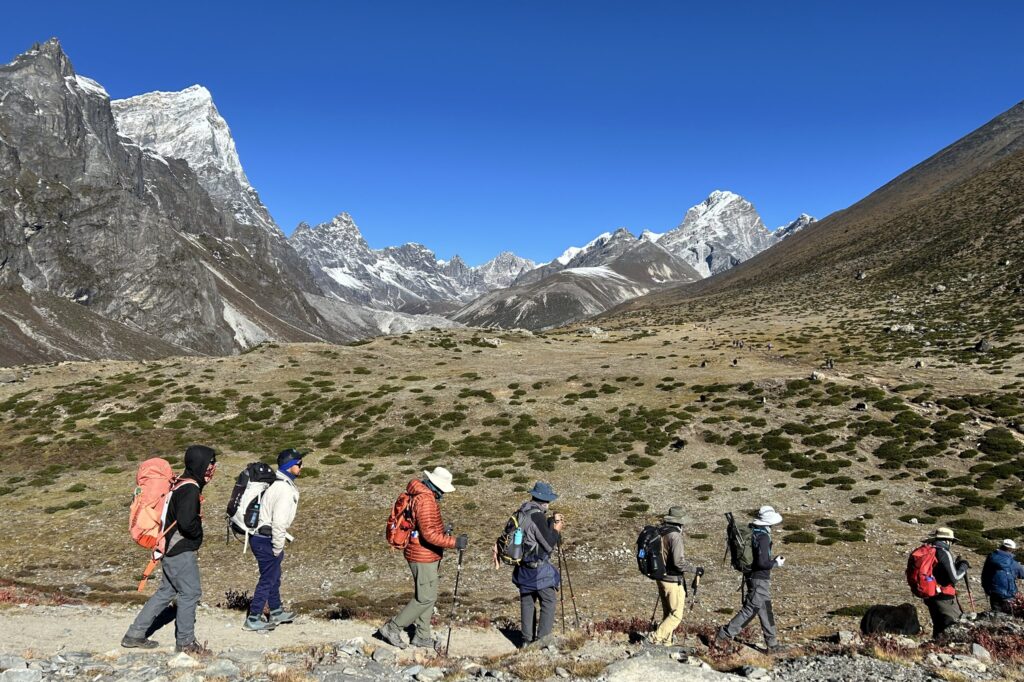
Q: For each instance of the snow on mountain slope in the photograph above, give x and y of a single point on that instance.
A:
(612, 269)
(402, 278)
(718, 233)
(792, 228)
(186, 125)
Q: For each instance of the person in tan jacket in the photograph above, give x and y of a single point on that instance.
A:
(277, 511)
(423, 553)
(672, 587)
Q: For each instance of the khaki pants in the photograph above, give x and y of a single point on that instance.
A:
(673, 603)
(421, 607)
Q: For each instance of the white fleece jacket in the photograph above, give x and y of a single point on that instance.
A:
(278, 511)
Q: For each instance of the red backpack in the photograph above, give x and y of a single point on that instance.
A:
(401, 524)
(921, 573)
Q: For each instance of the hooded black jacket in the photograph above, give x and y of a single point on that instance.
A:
(184, 507)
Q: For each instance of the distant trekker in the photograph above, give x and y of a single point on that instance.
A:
(672, 586)
(933, 574)
(756, 580)
(424, 545)
(537, 537)
(999, 576)
(183, 524)
(276, 513)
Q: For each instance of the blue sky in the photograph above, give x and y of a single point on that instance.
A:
(475, 127)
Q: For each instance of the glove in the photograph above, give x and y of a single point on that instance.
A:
(699, 572)
(461, 541)
(780, 561)
(962, 565)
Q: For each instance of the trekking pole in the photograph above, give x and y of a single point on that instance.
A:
(970, 596)
(561, 594)
(455, 602)
(654, 611)
(694, 585)
(568, 580)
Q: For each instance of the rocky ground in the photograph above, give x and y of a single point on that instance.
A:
(80, 642)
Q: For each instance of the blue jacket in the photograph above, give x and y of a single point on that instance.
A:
(541, 539)
(1000, 574)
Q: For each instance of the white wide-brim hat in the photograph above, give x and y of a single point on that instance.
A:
(767, 516)
(442, 478)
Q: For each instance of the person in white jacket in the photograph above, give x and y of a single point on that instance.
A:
(277, 511)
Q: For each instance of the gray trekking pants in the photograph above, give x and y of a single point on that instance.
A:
(528, 607)
(758, 602)
(944, 612)
(421, 607)
(180, 582)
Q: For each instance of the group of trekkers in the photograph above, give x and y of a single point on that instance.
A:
(264, 502)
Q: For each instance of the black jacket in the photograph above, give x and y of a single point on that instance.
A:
(184, 509)
(764, 562)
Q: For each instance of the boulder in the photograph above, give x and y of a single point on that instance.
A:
(21, 675)
(222, 667)
(182, 660)
(8, 661)
(983, 346)
(981, 653)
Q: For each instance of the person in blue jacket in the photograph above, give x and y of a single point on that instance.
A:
(999, 576)
(537, 579)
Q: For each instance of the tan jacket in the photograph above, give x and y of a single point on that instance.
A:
(675, 559)
(278, 511)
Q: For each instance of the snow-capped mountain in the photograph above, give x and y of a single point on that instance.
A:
(407, 278)
(718, 233)
(186, 125)
(792, 228)
(609, 270)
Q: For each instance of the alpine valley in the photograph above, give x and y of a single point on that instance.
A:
(130, 230)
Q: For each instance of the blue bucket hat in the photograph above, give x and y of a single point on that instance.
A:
(542, 491)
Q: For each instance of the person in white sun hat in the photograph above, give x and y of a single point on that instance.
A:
(999, 576)
(423, 553)
(758, 583)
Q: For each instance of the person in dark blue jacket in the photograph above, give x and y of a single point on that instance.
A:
(999, 576)
(758, 582)
(537, 579)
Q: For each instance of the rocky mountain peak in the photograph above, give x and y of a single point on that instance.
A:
(718, 233)
(793, 227)
(49, 56)
(187, 125)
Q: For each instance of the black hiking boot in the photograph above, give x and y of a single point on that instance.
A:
(129, 642)
(193, 649)
(422, 642)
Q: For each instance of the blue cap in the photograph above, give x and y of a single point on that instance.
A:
(542, 491)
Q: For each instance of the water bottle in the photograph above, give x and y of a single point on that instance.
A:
(517, 537)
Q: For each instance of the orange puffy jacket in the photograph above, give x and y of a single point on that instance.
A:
(429, 543)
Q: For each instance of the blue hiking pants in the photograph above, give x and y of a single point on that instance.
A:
(268, 589)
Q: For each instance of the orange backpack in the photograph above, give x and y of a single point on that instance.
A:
(400, 523)
(921, 573)
(155, 481)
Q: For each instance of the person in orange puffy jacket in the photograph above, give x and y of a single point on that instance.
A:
(424, 551)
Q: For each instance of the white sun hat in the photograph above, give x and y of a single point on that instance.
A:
(442, 478)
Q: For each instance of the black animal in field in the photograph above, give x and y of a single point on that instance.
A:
(898, 620)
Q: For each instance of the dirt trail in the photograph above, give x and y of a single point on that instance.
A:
(48, 630)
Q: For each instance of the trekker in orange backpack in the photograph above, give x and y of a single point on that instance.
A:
(182, 523)
(423, 550)
(933, 574)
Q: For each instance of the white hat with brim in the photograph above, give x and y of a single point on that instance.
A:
(767, 516)
(943, 534)
(442, 478)
(1009, 544)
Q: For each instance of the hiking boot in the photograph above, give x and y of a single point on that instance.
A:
(541, 643)
(129, 642)
(193, 649)
(649, 642)
(425, 642)
(392, 634)
(720, 641)
(279, 616)
(776, 649)
(257, 624)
